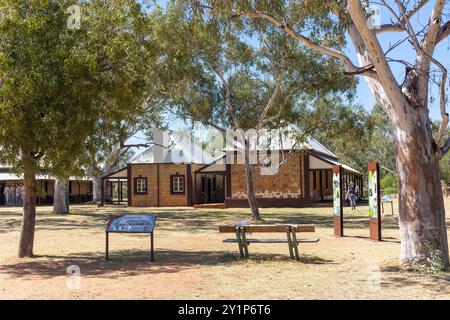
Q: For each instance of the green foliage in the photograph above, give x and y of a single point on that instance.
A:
(357, 136)
(389, 181)
(227, 57)
(434, 264)
(61, 87)
(444, 165)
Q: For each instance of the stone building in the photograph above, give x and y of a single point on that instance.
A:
(11, 189)
(305, 177)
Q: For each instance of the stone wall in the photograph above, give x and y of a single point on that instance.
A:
(287, 183)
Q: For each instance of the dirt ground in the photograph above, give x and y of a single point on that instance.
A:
(192, 262)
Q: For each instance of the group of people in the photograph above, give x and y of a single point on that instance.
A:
(14, 195)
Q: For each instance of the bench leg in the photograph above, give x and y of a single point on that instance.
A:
(239, 239)
(245, 244)
(295, 243)
(152, 249)
(291, 249)
(107, 246)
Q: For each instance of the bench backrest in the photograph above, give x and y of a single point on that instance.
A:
(269, 228)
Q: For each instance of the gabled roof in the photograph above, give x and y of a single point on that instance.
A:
(180, 150)
(288, 143)
(7, 174)
(317, 161)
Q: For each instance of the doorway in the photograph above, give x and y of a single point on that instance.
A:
(210, 188)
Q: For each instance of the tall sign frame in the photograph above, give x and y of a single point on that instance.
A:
(374, 201)
(133, 224)
(338, 208)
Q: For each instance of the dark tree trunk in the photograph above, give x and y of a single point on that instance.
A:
(29, 215)
(421, 203)
(250, 184)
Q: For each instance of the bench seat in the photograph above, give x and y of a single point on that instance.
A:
(312, 240)
(242, 229)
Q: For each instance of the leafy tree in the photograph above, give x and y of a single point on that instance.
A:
(55, 81)
(114, 150)
(444, 165)
(240, 76)
(405, 101)
(389, 183)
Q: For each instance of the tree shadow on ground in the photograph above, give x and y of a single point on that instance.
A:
(187, 219)
(126, 263)
(400, 277)
(384, 239)
(321, 220)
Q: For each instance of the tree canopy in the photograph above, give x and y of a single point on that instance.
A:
(57, 82)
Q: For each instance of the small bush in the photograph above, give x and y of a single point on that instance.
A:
(434, 264)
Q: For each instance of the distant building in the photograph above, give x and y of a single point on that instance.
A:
(304, 178)
(11, 189)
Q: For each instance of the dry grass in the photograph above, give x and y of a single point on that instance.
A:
(193, 263)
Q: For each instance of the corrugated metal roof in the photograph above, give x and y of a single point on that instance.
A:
(335, 162)
(10, 176)
(286, 139)
(179, 151)
(14, 177)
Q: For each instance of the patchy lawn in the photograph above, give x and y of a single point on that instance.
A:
(191, 262)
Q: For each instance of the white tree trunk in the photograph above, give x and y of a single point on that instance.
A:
(253, 203)
(96, 188)
(61, 196)
(111, 164)
(421, 203)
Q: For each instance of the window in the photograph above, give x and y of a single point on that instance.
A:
(140, 185)
(177, 185)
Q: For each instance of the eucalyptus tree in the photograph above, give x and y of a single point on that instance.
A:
(404, 99)
(112, 148)
(238, 76)
(57, 69)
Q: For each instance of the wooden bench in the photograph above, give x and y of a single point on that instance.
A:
(290, 230)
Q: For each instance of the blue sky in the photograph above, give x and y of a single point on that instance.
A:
(402, 52)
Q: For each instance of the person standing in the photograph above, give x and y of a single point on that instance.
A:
(352, 195)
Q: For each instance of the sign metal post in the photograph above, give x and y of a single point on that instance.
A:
(338, 211)
(374, 201)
